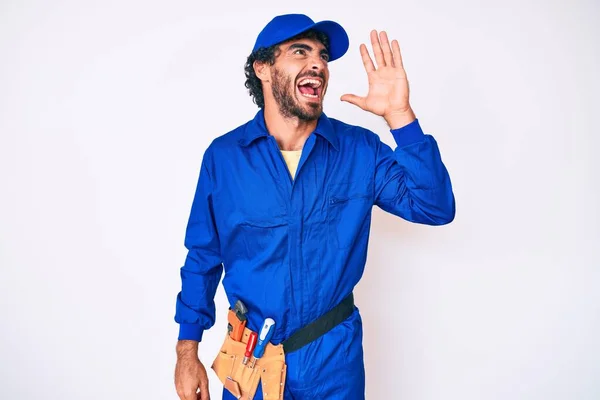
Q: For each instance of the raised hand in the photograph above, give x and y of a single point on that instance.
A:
(388, 94)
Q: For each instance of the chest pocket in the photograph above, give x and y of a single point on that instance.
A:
(348, 208)
(262, 239)
(253, 221)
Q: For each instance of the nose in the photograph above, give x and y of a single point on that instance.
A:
(317, 63)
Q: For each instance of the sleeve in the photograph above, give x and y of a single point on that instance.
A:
(412, 181)
(202, 270)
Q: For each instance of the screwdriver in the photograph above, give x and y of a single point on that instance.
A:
(265, 336)
(250, 347)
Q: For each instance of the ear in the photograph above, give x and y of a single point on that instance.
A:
(262, 70)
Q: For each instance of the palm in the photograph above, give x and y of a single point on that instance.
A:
(388, 85)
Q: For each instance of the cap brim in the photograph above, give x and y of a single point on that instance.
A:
(338, 38)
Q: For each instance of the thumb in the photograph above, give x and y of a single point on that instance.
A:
(354, 99)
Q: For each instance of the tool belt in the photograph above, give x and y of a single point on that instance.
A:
(242, 380)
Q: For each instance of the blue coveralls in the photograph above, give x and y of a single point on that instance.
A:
(292, 249)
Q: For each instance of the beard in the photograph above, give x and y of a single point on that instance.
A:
(289, 106)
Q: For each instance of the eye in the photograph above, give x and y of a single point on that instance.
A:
(300, 51)
(325, 57)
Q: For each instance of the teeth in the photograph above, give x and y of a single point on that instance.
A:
(313, 82)
(314, 96)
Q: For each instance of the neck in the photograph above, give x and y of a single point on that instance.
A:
(290, 133)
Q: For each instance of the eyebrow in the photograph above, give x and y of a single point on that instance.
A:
(306, 47)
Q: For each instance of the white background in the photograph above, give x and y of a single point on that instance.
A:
(106, 108)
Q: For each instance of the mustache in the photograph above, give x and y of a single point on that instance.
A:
(314, 75)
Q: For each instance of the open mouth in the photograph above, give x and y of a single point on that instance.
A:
(311, 88)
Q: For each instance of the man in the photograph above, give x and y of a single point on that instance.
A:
(283, 206)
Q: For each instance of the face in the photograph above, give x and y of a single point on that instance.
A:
(299, 79)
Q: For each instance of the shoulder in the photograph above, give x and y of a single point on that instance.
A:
(229, 139)
(223, 147)
(354, 134)
(227, 142)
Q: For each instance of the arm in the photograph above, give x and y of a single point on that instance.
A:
(202, 270)
(412, 181)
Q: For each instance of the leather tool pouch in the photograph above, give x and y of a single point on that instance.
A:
(242, 380)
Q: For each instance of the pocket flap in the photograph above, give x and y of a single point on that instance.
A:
(272, 376)
(223, 366)
(233, 387)
(342, 192)
(267, 222)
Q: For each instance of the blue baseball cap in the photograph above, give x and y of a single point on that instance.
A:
(284, 27)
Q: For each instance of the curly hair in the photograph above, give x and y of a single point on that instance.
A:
(268, 55)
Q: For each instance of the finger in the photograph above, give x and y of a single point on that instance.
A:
(367, 61)
(354, 99)
(204, 394)
(189, 396)
(377, 49)
(385, 47)
(184, 395)
(397, 55)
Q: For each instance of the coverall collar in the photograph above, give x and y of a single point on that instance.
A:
(257, 128)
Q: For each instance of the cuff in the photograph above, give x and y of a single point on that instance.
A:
(408, 134)
(190, 332)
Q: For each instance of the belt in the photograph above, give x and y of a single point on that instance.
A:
(320, 326)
